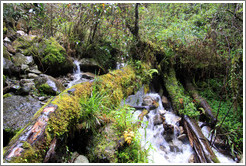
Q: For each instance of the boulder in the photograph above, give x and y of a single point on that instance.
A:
(18, 111)
(157, 119)
(90, 65)
(147, 100)
(192, 158)
(6, 54)
(10, 48)
(81, 159)
(88, 75)
(20, 59)
(10, 69)
(48, 85)
(182, 137)
(32, 75)
(165, 102)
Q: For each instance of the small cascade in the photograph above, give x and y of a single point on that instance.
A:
(121, 64)
(166, 140)
(164, 147)
(77, 75)
(221, 157)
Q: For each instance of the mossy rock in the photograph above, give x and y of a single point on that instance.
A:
(23, 42)
(48, 85)
(6, 54)
(51, 57)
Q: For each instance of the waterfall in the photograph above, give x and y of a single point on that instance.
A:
(77, 75)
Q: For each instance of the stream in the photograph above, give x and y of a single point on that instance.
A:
(164, 147)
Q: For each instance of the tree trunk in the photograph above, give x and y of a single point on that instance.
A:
(200, 143)
(37, 140)
(202, 102)
(196, 137)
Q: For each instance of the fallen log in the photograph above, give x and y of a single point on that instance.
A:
(202, 102)
(196, 137)
(200, 142)
(35, 143)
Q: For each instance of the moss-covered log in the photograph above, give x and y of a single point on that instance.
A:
(183, 105)
(54, 120)
(202, 102)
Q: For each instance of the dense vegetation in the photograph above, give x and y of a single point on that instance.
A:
(202, 42)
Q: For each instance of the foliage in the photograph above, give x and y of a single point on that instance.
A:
(92, 108)
(232, 126)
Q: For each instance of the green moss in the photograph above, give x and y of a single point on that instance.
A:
(182, 103)
(7, 95)
(46, 89)
(54, 52)
(5, 30)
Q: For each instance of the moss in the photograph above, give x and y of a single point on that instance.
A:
(5, 30)
(7, 95)
(181, 102)
(68, 111)
(6, 54)
(46, 89)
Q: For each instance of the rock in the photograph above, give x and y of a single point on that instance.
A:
(48, 85)
(81, 159)
(32, 75)
(24, 67)
(20, 33)
(191, 159)
(42, 98)
(24, 90)
(35, 71)
(164, 149)
(157, 119)
(7, 40)
(20, 59)
(10, 69)
(10, 48)
(147, 100)
(181, 137)
(174, 148)
(165, 102)
(88, 75)
(181, 130)
(90, 65)
(50, 57)
(162, 112)
(18, 111)
(6, 54)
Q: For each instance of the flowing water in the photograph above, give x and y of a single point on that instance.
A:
(77, 75)
(161, 149)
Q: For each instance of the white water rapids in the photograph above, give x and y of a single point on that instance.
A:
(162, 151)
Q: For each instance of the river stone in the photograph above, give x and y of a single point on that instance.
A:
(32, 75)
(6, 54)
(157, 119)
(88, 75)
(81, 159)
(181, 130)
(7, 40)
(191, 159)
(20, 59)
(147, 100)
(10, 48)
(162, 112)
(24, 90)
(165, 102)
(18, 111)
(182, 137)
(90, 65)
(9, 68)
(53, 86)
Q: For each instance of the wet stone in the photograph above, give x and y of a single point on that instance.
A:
(181, 137)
